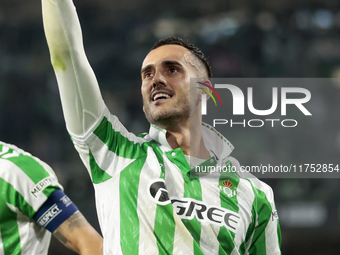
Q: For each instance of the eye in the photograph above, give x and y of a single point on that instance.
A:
(148, 75)
(173, 70)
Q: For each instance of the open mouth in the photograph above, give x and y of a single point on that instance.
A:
(160, 95)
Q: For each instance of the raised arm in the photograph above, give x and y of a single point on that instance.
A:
(77, 234)
(79, 91)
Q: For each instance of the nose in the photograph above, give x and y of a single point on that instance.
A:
(158, 79)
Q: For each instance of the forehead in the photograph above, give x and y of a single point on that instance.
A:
(166, 52)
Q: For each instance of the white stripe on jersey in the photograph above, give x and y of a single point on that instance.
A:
(29, 229)
(2, 252)
(107, 159)
(146, 211)
(183, 241)
(235, 251)
(272, 240)
(174, 178)
(252, 235)
(209, 232)
(109, 224)
(245, 197)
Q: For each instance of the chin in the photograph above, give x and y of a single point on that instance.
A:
(169, 120)
(160, 118)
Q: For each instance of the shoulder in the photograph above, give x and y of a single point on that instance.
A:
(21, 162)
(21, 173)
(109, 129)
(260, 188)
(263, 196)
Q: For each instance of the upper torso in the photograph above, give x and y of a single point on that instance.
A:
(149, 203)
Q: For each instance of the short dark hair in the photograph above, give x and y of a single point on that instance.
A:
(190, 46)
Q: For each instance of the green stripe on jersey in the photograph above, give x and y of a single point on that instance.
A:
(13, 197)
(249, 233)
(225, 236)
(192, 189)
(263, 210)
(8, 219)
(116, 142)
(129, 222)
(98, 175)
(10, 237)
(164, 228)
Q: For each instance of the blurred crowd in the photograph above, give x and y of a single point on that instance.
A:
(244, 39)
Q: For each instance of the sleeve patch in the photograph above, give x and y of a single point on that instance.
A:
(40, 186)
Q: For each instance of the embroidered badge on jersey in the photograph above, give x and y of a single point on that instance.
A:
(228, 188)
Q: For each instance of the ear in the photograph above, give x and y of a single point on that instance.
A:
(205, 84)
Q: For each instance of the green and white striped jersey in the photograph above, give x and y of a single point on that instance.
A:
(148, 204)
(25, 184)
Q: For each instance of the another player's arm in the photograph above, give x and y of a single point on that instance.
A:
(77, 234)
(79, 91)
(59, 215)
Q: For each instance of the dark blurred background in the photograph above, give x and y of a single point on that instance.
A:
(243, 38)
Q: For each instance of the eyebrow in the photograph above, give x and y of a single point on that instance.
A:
(146, 68)
(164, 63)
(170, 63)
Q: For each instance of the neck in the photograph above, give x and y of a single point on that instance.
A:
(188, 137)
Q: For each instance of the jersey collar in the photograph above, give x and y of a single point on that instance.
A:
(214, 141)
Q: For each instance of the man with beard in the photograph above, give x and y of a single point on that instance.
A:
(146, 200)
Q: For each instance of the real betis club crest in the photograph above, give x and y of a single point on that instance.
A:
(228, 188)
